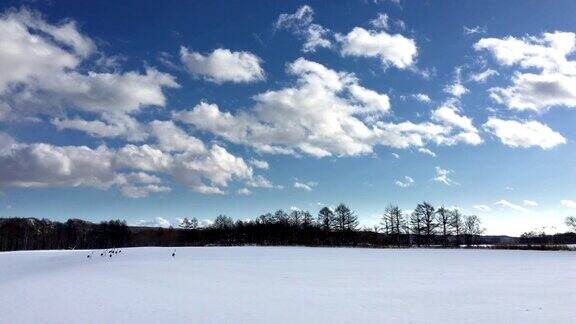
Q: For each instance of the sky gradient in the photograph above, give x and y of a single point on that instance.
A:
(153, 111)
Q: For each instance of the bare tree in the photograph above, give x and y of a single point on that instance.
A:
(472, 228)
(189, 224)
(295, 217)
(281, 217)
(393, 223)
(326, 219)
(307, 219)
(387, 220)
(427, 215)
(345, 218)
(223, 222)
(456, 224)
(444, 223)
(416, 226)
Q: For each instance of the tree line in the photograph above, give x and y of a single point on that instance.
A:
(425, 226)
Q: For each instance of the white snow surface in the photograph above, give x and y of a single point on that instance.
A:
(288, 285)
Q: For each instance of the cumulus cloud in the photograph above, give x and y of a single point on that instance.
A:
(109, 125)
(549, 53)
(307, 186)
(426, 151)
(568, 203)
(524, 134)
(260, 181)
(260, 164)
(301, 24)
(406, 182)
(171, 138)
(422, 97)
(46, 71)
(509, 205)
(223, 65)
(443, 176)
(45, 165)
(392, 49)
(449, 115)
(42, 165)
(325, 113)
(456, 89)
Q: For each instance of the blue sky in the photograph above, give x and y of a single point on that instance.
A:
(145, 110)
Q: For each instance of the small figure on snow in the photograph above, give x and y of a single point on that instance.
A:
(174, 253)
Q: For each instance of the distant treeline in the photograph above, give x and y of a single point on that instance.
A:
(425, 226)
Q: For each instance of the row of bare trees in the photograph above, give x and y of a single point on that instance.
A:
(426, 224)
(339, 226)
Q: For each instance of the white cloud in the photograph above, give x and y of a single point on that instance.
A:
(372, 101)
(46, 71)
(407, 182)
(548, 52)
(54, 71)
(530, 203)
(171, 138)
(301, 24)
(216, 165)
(474, 30)
(260, 164)
(456, 89)
(380, 22)
(509, 205)
(448, 114)
(395, 50)
(156, 222)
(422, 97)
(142, 177)
(537, 91)
(44, 165)
(482, 208)
(326, 113)
(443, 176)
(307, 186)
(223, 65)
(426, 151)
(132, 191)
(144, 157)
(555, 85)
(260, 181)
(244, 192)
(568, 203)
(483, 76)
(110, 125)
(524, 134)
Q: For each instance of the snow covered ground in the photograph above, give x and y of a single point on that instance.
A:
(288, 285)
